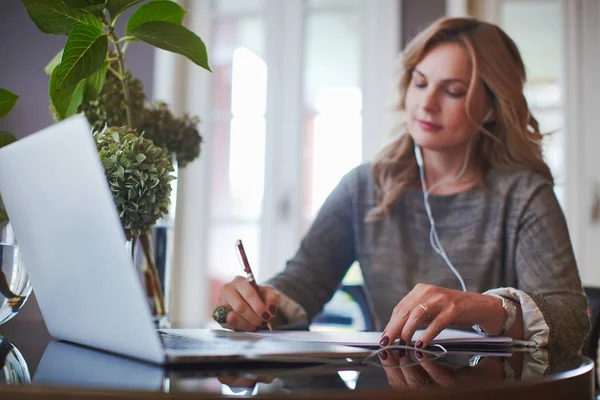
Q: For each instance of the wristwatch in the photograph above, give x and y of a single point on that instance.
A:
(510, 309)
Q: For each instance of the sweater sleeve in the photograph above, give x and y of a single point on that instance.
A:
(326, 252)
(547, 273)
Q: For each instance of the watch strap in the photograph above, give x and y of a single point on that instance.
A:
(510, 315)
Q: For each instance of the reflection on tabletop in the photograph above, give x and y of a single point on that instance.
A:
(68, 365)
(14, 367)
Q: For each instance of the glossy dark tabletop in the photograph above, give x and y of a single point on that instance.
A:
(31, 359)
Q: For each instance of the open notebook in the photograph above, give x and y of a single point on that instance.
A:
(448, 338)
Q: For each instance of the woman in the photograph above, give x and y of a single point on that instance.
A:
(482, 215)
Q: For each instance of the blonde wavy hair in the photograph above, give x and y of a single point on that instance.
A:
(511, 142)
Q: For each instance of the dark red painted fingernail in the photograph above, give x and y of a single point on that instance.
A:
(383, 355)
(266, 316)
(418, 354)
(384, 341)
(401, 342)
(419, 344)
(272, 309)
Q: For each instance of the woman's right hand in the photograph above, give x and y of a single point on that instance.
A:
(402, 371)
(248, 310)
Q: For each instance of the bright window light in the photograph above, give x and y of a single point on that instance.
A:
(248, 83)
(342, 99)
(247, 135)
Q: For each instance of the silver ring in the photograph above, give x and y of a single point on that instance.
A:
(220, 314)
(425, 311)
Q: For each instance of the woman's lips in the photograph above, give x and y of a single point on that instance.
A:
(428, 126)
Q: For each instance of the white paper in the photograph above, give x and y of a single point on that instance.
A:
(371, 339)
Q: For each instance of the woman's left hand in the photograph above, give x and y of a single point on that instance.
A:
(439, 308)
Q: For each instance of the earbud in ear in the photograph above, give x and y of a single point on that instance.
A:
(487, 116)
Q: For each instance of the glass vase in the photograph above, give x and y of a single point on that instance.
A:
(148, 274)
(15, 286)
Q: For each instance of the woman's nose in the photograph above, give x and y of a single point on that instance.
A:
(430, 102)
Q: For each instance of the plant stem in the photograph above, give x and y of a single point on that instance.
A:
(122, 77)
(153, 288)
(133, 240)
(125, 38)
(157, 293)
(116, 73)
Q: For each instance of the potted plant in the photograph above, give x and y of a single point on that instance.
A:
(137, 141)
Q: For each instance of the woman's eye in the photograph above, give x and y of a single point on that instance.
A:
(420, 84)
(455, 94)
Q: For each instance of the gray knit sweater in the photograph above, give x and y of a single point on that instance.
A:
(511, 234)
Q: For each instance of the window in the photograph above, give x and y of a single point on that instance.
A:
(540, 42)
(238, 107)
(287, 118)
(332, 99)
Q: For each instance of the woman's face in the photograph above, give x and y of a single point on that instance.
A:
(436, 99)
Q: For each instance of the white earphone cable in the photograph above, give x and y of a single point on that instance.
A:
(433, 236)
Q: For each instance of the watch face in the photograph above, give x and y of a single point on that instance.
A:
(511, 308)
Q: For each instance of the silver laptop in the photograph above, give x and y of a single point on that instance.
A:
(73, 246)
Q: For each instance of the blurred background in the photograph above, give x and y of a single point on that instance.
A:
(300, 93)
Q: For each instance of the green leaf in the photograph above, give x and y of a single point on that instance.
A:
(79, 4)
(65, 101)
(54, 62)
(85, 52)
(166, 11)
(7, 102)
(95, 83)
(54, 17)
(120, 172)
(116, 7)
(140, 157)
(3, 215)
(76, 99)
(175, 38)
(94, 7)
(6, 138)
(92, 88)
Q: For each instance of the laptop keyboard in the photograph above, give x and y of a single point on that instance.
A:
(175, 341)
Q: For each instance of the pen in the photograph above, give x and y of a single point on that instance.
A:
(249, 275)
